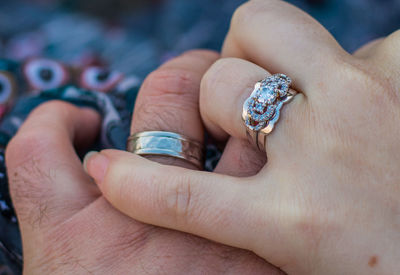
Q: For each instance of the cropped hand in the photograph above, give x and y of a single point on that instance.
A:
(68, 227)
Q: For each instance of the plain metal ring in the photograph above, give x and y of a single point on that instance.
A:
(161, 143)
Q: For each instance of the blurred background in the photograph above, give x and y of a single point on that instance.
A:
(136, 36)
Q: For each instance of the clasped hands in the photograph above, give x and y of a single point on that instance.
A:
(326, 202)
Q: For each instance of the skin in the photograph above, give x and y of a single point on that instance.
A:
(67, 225)
(327, 201)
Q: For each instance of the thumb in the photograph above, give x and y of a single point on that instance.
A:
(186, 200)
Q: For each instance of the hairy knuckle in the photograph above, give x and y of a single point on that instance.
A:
(171, 84)
(28, 193)
(164, 115)
(27, 145)
(27, 171)
(34, 141)
(165, 95)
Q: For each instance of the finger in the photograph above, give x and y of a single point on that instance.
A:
(46, 178)
(192, 201)
(155, 86)
(283, 39)
(241, 159)
(224, 89)
(368, 49)
(169, 99)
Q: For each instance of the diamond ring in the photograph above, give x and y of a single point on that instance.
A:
(262, 109)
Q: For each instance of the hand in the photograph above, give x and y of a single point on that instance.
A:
(68, 227)
(328, 201)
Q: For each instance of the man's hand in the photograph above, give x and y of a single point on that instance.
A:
(68, 227)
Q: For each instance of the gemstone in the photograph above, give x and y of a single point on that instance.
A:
(263, 116)
(285, 78)
(259, 108)
(254, 126)
(270, 110)
(267, 95)
(263, 107)
(282, 89)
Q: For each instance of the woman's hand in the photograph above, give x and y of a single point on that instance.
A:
(328, 201)
(66, 224)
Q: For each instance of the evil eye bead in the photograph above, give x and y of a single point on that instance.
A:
(7, 87)
(100, 79)
(45, 74)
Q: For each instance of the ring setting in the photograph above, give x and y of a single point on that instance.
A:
(262, 109)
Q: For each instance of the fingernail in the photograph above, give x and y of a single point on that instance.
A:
(95, 165)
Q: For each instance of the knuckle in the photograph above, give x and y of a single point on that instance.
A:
(201, 54)
(159, 115)
(166, 95)
(32, 142)
(391, 43)
(28, 192)
(171, 84)
(309, 230)
(219, 82)
(370, 82)
(180, 200)
(30, 175)
(250, 10)
(250, 160)
(124, 191)
(212, 76)
(242, 14)
(28, 145)
(310, 220)
(54, 107)
(216, 76)
(27, 171)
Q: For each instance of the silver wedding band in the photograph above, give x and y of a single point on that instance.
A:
(160, 143)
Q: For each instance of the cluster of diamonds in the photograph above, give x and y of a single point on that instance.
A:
(264, 104)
